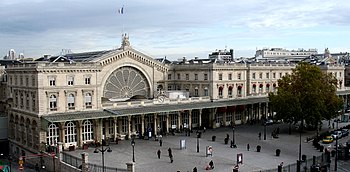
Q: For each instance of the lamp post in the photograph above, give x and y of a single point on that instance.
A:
(299, 160)
(133, 149)
(197, 141)
(103, 150)
(336, 150)
(233, 137)
(265, 130)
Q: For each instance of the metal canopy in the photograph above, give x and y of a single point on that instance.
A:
(106, 113)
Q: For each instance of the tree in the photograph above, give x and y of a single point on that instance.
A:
(308, 94)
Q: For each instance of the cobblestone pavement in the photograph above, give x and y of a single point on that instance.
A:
(224, 157)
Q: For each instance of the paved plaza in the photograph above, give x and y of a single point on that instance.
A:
(224, 157)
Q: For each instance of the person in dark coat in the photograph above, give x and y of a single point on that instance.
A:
(211, 164)
(158, 153)
(195, 169)
(248, 146)
(171, 158)
(169, 151)
(160, 142)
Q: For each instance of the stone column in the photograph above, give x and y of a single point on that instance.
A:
(142, 124)
(190, 119)
(234, 116)
(85, 161)
(62, 133)
(155, 124)
(115, 128)
(130, 167)
(80, 133)
(178, 120)
(167, 122)
(129, 126)
(200, 118)
(224, 117)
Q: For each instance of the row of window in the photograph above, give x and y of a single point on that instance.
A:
(21, 80)
(196, 90)
(70, 80)
(187, 77)
(70, 101)
(70, 133)
(25, 100)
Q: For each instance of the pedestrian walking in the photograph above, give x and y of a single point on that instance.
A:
(195, 169)
(204, 129)
(259, 135)
(171, 158)
(158, 153)
(333, 125)
(248, 146)
(211, 164)
(169, 151)
(160, 142)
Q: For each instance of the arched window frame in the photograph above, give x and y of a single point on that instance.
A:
(53, 102)
(70, 133)
(71, 101)
(52, 135)
(88, 134)
(88, 100)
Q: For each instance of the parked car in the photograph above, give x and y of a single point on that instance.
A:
(327, 139)
(344, 132)
(337, 134)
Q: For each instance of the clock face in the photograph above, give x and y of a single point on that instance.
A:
(161, 99)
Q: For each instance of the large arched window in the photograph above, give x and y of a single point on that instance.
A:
(239, 91)
(70, 101)
(254, 88)
(87, 131)
(70, 133)
(52, 135)
(88, 101)
(53, 103)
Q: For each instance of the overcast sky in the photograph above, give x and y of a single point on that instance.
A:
(173, 28)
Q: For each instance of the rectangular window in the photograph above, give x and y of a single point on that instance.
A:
(267, 75)
(27, 81)
(187, 76)
(205, 77)
(196, 92)
(178, 76)
(206, 92)
(87, 80)
(70, 80)
(52, 81)
(169, 76)
(253, 75)
(230, 76)
(220, 76)
(274, 75)
(281, 75)
(239, 76)
(196, 77)
(260, 75)
(169, 87)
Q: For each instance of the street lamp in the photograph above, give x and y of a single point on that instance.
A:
(103, 150)
(197, 141)
(265, 130)
(233, 137)
(133, 149)
(10, 161)
(299, 161)
(336, 149)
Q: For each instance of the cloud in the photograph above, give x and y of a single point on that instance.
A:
(174, 27)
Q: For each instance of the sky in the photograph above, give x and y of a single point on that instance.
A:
(173, 28)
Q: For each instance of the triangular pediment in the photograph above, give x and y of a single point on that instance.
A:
(118, 54)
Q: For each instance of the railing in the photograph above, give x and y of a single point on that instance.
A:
(304, 166)
(71, 160)
(77, 162)
(98, 168)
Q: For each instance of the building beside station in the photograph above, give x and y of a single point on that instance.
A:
(78, 98)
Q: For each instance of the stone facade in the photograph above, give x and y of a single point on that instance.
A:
(39, 92)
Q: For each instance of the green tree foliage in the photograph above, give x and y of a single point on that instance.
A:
(308, 94)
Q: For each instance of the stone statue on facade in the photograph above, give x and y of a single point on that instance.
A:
(125, 41)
